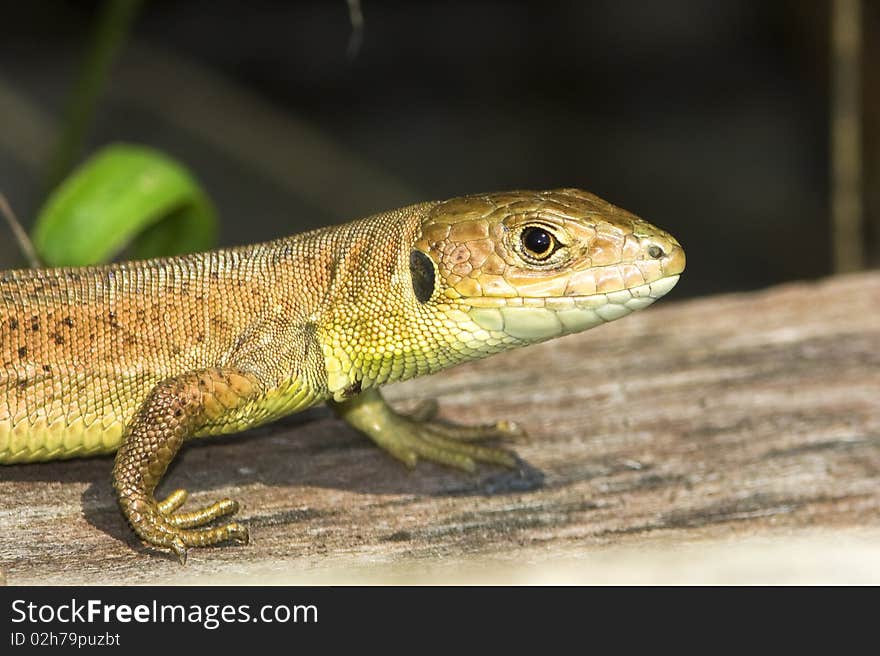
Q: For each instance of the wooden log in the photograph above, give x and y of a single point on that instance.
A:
(656, 442)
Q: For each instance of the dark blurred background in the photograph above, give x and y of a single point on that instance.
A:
(708, 117)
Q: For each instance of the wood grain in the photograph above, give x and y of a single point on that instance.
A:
(716, 422)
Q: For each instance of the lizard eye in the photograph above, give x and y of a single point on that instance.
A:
(538, 242)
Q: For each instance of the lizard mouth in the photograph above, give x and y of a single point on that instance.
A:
(539, 318)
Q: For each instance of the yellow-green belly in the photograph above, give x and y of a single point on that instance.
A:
(60, 430)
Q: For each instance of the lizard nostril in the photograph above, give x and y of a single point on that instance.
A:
(655, 251)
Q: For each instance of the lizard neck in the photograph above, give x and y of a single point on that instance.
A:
(368, 324)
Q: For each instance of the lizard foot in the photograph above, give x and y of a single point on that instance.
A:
(171, 413)
(160, 525)
(419, 435)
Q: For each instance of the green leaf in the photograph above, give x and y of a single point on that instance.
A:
(123, 196)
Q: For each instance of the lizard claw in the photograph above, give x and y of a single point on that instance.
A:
(179, 548)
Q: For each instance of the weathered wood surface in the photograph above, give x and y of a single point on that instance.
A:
(741, 419)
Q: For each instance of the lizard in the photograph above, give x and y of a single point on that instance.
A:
(138, 357)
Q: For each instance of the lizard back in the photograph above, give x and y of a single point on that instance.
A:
(80, 348)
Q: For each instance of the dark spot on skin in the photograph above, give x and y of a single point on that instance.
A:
(178, 412)
(13, 324)
(57, 338)
(421, 268)
(47, 368)
(112, 318)
(22, 383)
(214, 275)
(330, 266)
(72, 275)
(67, 321)
(200, 337)
(35, 324)
(22, 351)
(352, 390)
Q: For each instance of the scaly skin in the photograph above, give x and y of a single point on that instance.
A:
(138, 357)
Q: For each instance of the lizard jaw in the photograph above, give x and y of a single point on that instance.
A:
(538, 319)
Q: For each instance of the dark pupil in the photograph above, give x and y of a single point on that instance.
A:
(537, 240)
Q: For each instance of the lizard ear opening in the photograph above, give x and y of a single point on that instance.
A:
(421, 267)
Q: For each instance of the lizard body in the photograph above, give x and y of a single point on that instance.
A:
(138, 357)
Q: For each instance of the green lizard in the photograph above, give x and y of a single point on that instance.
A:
(138, 357)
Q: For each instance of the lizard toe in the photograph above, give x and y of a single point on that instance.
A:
(204, 515)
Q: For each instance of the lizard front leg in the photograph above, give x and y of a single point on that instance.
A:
(175, 410)
(410, 437)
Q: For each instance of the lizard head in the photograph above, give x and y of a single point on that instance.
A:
(527, 266)
(483, 274)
